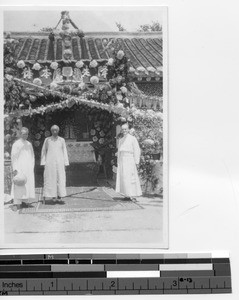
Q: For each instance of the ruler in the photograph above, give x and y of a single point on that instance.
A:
(114, 274)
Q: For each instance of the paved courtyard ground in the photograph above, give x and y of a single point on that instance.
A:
(126, 227)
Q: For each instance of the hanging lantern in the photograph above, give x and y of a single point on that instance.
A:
(67, 72)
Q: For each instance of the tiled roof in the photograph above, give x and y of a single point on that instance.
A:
(151, 89)
(143, 49)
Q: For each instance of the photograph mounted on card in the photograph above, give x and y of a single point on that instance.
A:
(85, 127)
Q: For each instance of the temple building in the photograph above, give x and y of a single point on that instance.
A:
(87, 83)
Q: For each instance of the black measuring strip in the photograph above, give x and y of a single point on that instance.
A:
(89, 259)
(50, 274)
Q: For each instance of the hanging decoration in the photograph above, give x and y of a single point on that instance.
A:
(18, 93)
(118, 109)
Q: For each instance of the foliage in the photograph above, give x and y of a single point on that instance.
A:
(46, 29)
(13, 94)
(11, 128)
(155, 26)
(120, 26)
(148, 131)
(8, 55)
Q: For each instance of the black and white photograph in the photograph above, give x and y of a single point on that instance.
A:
(85, 127)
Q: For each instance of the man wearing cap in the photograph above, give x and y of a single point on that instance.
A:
(55, 158)
(127, 180)
(23, 162)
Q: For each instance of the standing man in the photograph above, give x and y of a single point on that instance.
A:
(127, 180)
(54, 157)
(23, 162)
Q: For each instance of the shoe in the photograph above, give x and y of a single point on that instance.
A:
(15, 207)
(8, 202)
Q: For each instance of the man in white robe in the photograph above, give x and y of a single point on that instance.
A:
(23, 162)
(55, 158)
(127, 180)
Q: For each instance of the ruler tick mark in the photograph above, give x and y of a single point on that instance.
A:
(99, 285)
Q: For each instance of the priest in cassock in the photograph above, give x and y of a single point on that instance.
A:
(127, 180)
(23, 162)
(55, 158)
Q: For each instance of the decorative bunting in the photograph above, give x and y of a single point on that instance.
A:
(70, 101)
(115, 108)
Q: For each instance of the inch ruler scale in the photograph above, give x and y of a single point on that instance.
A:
(114, 274)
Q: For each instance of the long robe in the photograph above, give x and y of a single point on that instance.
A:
(23, 160)
(127, 180)
(54, 157)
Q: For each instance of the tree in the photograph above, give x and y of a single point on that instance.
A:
(46, 29)
(155, 26)
(120, 27)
